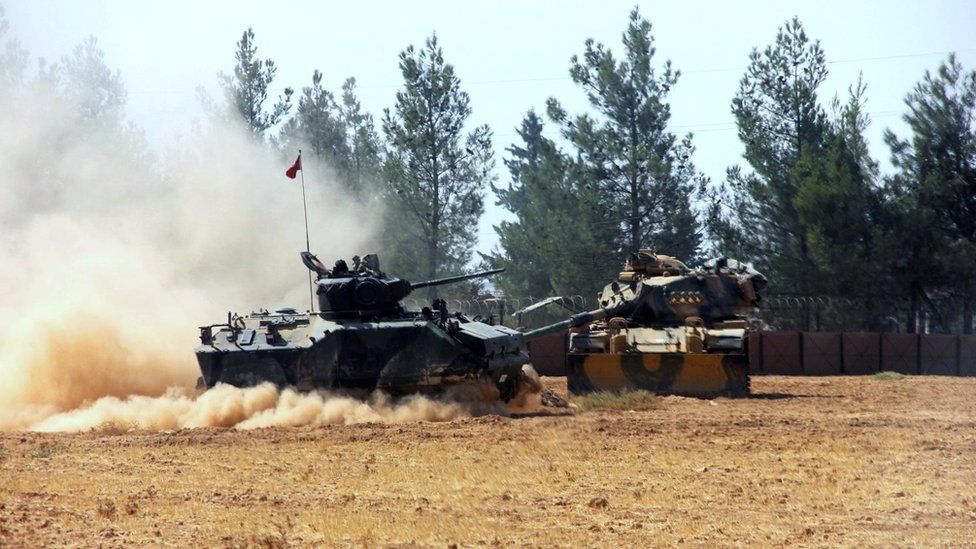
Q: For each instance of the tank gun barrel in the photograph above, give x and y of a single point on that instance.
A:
(574, 321)
(579, 319)
(450, 279)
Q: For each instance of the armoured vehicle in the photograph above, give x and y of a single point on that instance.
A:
(362, 338)
(664, 327)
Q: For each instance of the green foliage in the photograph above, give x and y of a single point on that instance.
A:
(435, 172)
(44, 452)
(843, 214)
(13, 57)
(338, 132)
(640, 172)
(246, 91)
(779, 119)
(811, 213)
(554, 245)
(532, 167)
(887, 376)
(935, 187)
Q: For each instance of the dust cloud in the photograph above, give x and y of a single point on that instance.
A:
(111, 253)
(256, 407)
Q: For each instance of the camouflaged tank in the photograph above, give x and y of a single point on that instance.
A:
(664, 327)
(362, 338)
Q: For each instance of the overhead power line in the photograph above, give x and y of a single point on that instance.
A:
(688, 71)
(567, 78)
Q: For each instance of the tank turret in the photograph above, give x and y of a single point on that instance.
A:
(365, 291)
(660, 290)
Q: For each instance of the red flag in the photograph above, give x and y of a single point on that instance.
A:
(293, 170)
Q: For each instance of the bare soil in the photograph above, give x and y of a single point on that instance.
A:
(806, 461)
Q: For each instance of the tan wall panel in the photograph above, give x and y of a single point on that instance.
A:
(938, 354)
(821, 353)
(781, 353)
(862, 352)
(899, 353)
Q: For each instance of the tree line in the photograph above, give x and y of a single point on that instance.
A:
(808, 205)
(844, 245)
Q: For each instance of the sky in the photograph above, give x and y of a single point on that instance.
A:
(510, 55)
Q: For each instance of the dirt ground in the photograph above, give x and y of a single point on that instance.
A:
(806, 461)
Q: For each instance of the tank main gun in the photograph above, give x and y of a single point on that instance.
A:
(452, 279)
(619, 307)
(575, 321)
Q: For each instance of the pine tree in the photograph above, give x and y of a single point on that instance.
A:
(364, 163)
(13, 57)
(436, 174)
(557, 243)
(641, 171)
(523, 248)
(96, 92)
(937, 180)
(780, 122)
(246, 91)
(82, 102)
(338, 132)
(844, 213)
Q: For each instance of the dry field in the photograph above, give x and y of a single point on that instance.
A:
(808, 461)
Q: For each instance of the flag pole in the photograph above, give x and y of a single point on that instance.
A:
(308, 248)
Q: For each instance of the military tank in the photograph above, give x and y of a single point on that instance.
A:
(666, 328)
(362, 338)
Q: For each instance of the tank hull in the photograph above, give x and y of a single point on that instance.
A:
(399, 357)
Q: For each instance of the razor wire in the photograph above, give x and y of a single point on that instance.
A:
(798, 302)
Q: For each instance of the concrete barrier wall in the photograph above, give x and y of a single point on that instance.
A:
(863, 353)
(755, 354)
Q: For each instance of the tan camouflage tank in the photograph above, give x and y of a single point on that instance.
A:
(664, 327)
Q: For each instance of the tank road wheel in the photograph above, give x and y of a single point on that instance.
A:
(738, 376)
(508, 386)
